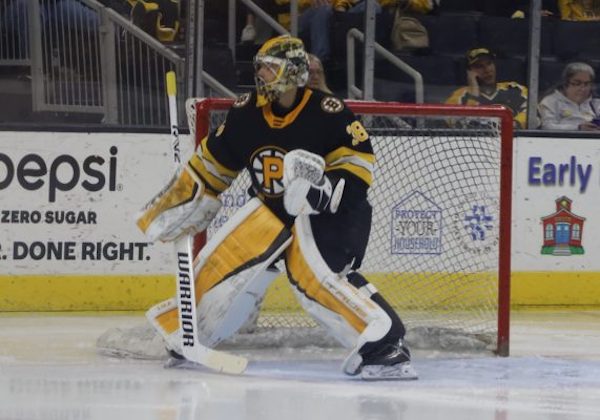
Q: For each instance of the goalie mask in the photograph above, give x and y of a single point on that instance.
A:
(286, 58)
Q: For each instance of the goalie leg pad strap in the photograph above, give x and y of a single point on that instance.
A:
(239, 253)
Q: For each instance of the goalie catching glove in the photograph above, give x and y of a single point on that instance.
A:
(182, 207)
(308, 190)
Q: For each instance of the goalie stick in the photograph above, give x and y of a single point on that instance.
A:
(192, 349)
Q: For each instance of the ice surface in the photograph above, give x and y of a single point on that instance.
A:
(49, 369)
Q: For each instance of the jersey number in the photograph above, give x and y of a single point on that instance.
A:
(358, 132)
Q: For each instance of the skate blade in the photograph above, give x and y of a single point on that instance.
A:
(401, 371)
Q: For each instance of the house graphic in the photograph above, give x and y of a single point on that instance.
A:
(563, 230)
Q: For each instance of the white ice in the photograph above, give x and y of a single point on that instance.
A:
(50, 370)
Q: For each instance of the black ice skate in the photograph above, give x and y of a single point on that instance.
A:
(391, 362)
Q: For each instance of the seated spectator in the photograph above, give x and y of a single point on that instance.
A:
(484, 89)
(580, 10)
(314, 23)
(316, 75)
(518, 9)
(571, 106)
(412, 7)
(159, 18)
(251, 31)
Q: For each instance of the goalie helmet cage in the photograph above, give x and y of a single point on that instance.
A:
(439, 249)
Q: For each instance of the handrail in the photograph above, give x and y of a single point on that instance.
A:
(216, 85)
(353, 90)
(231, 37)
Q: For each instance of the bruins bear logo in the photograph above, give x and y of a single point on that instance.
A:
(242, 100)
(332, 104)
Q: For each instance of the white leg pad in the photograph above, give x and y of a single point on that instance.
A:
(172, 340)
(227, 307)
(377, 320)
(335, 324)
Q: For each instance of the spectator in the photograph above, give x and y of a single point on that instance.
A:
(579, 10)
(417, 7)
(316, 75)
(251, 29)
(159, 18)
(314, 23)
(484, 89)
(571, 106)
(518, 9)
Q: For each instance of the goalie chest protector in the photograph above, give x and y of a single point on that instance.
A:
(258, 138)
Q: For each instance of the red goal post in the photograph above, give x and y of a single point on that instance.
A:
(444, 176)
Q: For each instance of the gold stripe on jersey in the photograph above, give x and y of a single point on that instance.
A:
(252, 240)
(169, 321)
(304, 279)
(282, 122)
(206, 153)
(205, 167)
(357, 163)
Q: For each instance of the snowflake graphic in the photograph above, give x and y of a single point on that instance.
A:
(477, 223)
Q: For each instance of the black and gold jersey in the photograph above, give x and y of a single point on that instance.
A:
(258, 138)
(510, 94)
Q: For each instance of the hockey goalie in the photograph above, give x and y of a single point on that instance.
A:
(311, 163)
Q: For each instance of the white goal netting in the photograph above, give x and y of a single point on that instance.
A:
(439, 249)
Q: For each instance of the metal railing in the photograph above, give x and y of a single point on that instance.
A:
(89, 59)
(14, 39)
(354, 91)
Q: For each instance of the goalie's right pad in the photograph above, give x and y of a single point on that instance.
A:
(231, 276)
(184, 206)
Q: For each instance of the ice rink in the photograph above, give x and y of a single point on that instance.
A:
(50, 370)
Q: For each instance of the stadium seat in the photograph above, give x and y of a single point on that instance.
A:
(218, 62)
(550, 75)
(451, 35)
(577, 40)
(547, 37)
(460, 6)
(505, 36)
(439, 78)
(343, 22)
(438, 70)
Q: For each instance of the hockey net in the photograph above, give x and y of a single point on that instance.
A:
(439, 249)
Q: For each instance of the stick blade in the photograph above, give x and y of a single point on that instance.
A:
(216, 360)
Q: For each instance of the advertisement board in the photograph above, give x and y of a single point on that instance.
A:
(68, 238)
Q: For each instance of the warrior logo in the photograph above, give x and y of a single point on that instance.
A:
(267, 170)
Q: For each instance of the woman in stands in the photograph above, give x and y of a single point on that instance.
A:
(571, 106)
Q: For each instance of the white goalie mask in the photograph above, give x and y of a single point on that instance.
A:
(286, 57)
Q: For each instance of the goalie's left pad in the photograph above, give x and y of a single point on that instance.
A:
(308, 190)
(184, 206)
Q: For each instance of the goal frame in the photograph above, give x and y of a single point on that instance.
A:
(203, 107)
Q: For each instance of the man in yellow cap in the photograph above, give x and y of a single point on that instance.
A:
(484, 89)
